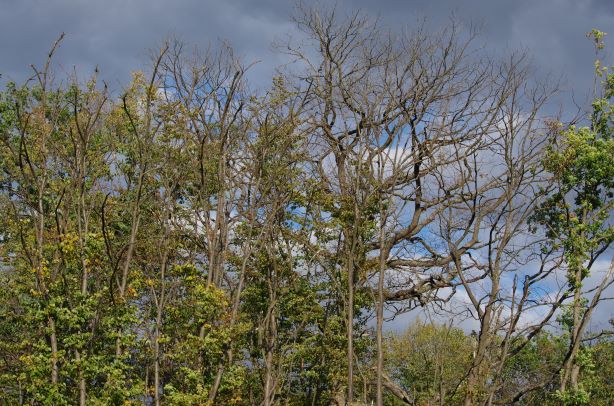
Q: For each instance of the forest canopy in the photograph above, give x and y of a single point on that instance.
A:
(193, 241)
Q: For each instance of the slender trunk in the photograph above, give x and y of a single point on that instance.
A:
(83, 231)
(350, 331)
(351, 271)
(217, 246)
(41, 276)
(54, 352)
(82, 389)
(157, 354)
(442, 393)
(233, 318)
(131, 243)
(475, 380)
(146, 393)
(124, 281)
(268, 382)
(270, 338)
(350, 236)
(160, 307)
(157, 369)
(575, 369)
(570, 369)
(380, 320)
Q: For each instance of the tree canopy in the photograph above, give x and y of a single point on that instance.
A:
(192, 241)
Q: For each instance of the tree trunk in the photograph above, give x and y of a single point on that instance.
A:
(82, 389)
(380, 321)
(571, 371)
(54, 352)
(350, 332)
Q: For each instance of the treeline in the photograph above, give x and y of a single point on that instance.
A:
(191, 241)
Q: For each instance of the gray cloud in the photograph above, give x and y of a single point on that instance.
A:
(116, 34)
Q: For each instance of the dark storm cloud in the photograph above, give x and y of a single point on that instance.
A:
(553, 32)
(116, 34)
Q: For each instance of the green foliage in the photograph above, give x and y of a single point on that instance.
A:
(188, 233)
(577, 216)
(429, 360)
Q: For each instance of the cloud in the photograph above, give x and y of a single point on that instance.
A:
(116, 34)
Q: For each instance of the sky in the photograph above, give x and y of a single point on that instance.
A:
(117, 35)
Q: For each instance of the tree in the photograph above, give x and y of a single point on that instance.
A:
(428, 363)
(190, 240)
(507, 299)
(577, 218)
(397, 128)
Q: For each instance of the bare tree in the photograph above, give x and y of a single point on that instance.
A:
(398, 126)
(510, 250)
